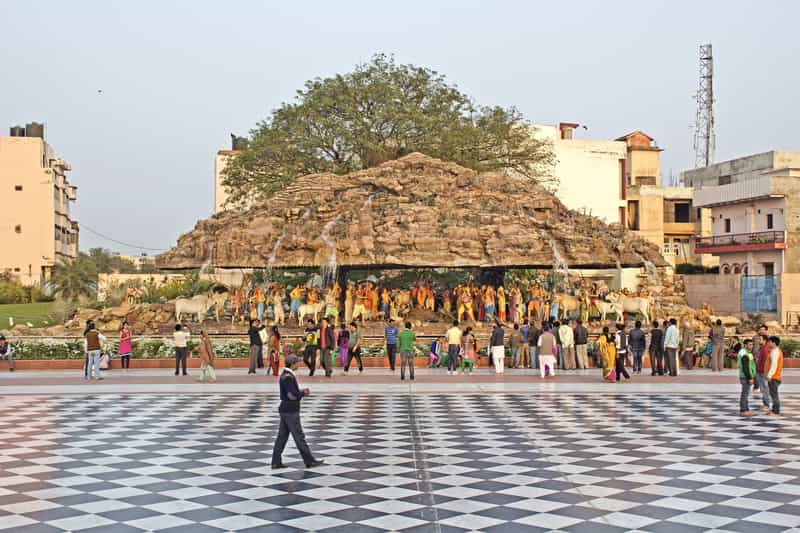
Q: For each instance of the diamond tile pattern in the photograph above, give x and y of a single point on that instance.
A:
(441, 462)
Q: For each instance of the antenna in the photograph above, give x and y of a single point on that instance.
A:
(704, 136)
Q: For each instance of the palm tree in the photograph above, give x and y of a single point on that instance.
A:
(73, 279)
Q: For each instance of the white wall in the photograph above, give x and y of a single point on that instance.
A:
(750, 217)
(588, 172)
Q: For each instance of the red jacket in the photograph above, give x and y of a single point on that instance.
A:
(763, 359)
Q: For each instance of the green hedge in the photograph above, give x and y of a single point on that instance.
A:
(160, 349)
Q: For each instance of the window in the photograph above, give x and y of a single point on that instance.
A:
(737, 269)
(727, 225)
(18, 228)
(17, 188)
(724, 180)
(682, 213)
(676, 247)
(769, 269)
(769, 221)
(667, 247)
(58, 232)
(725, 269)
(699, 214)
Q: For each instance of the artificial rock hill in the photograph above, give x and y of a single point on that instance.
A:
(412, 212)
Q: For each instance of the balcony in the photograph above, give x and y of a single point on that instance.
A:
(741, 242)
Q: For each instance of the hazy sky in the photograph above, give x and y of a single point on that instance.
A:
(178, 77)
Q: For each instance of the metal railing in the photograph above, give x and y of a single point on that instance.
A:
(733, 239)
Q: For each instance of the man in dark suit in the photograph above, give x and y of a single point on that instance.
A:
(289, 410)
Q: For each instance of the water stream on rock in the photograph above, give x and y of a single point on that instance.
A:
(559, 263)
(207, 264)
(329, 270)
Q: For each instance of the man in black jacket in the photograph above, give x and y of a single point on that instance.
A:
(581, 335)
(656, 350)
(636, 339)
(289, 410)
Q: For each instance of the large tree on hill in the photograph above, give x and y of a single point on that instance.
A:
(378, 112)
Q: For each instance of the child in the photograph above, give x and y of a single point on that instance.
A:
(468, 354)
(206, 358)
(435, 354)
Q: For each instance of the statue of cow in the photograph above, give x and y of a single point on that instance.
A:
(632, 304)
(196, 306)
(566, 304)
(605, 308)
(309, 310)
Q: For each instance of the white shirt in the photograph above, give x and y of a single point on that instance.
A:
(566, 335)
(181, 337)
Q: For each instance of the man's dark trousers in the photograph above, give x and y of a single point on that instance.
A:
(290, 424)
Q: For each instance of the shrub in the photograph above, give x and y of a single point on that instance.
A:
(11, 292)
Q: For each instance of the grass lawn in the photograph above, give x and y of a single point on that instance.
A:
(36, 314)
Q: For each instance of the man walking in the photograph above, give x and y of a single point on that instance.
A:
(256, 345)
(311, 338)
(567, 346)
(656, 350)
(774, 374)
(354, 348)
(453, 338)
(524, 354)
(747, 372)
(405, 342)
(637, 342)
(326, 344)
(181, 339)
(390, 335)
(762, 362)
(671, 341)
(498, 349)
(515, 344)
(581, 336)
(533, 338)
(717, 336)
(289, 410)
(621, 342)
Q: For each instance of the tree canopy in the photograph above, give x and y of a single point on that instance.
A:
(381, 111)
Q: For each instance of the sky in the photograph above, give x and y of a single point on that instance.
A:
(177, 77)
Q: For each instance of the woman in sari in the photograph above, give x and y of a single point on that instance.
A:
(608, 354)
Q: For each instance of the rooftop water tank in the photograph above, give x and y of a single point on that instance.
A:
(34, 129)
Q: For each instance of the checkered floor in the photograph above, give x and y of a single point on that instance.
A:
(494, 463)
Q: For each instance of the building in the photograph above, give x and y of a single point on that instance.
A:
(221, 161)
(139, 261)
(590, 173)
(220, 194)
(36, 228)
(664, 216)
(755, 209)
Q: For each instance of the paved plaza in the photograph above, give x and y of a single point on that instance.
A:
(434, 456)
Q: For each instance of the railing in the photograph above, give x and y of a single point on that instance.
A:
(734, 239)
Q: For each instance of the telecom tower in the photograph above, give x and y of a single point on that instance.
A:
(704, 137)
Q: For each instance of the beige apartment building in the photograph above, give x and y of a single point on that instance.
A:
(755, 232)
(590, 173)
(36, 228)
(664, 216)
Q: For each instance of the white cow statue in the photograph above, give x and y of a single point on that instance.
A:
(196, 306)
(309, 310)
(608, 307)
(632, 304)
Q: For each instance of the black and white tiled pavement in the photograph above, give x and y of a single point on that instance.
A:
(449, 462)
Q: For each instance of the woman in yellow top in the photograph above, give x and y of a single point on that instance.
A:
(608, 353)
